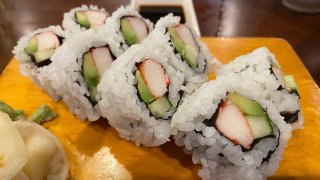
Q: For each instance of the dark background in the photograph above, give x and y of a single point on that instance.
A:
(222, 18)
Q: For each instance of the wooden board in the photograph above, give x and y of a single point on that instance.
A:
(95, 151)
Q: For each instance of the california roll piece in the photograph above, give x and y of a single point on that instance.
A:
(83, 18)
(262, 66)
(232, 129)
(193, 56)
(34, 52)
(139, 95)
(130, 27)
(78, 68)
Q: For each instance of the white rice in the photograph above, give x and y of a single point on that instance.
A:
(256, 66)
(114, 23)
(207, 145)
(28, 67)
(69, 22)
(65, 74)
(120, 103)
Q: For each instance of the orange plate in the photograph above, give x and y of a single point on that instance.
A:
(95, 151)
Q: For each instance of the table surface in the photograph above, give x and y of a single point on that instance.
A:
(94, 150)
(222, 18)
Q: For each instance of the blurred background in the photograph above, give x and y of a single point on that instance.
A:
(218, 18)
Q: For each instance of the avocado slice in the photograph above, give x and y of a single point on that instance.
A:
(246, 105)
(32, 46)
(128, 33)
(82, 19)
(260, 125)
(187, 52)
(43, 55)
(192, 56)
(160, 106)
(143, 90)
(291, 84)
(91, 74)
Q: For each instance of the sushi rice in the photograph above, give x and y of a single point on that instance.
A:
(28, 67)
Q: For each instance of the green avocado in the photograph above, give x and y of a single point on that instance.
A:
(246, 105)
(143, 90)
(177, 42)
(43, 55)
(82, 19)
(160, 106)
(91, 75)
(128, 33)
(32, 46)
(187, 52)
(260, 125)
(192, 56)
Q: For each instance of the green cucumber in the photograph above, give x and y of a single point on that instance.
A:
(160, 106)
(291, 84)
(246, 105)
(260, 125)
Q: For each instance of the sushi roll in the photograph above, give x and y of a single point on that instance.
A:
(262, 66)
(193, 56)
(83, 18)
(139, 95)
(34, 52)
(130, 27)
(77, 70)
(232, 129)
(29, 151)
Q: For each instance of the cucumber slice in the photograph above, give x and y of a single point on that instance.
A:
(143, 90)
(260, 126)
(160, 106)
(43, 55)
(291, 84)
(246, 105)
(32, 46)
